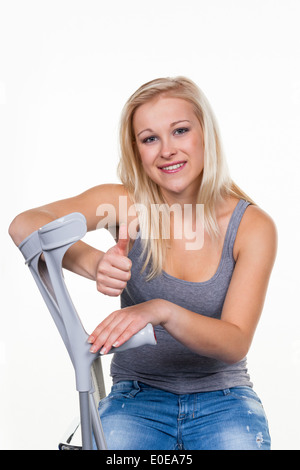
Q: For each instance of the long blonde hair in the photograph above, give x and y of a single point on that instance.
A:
(216, 182)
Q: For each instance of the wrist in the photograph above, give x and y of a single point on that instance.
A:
(82, 259)
(164, 309)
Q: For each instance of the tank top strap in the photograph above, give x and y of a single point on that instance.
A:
(233, 226)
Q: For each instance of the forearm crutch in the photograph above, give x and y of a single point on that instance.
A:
(53, 240)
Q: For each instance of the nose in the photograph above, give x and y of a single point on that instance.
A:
(167, 149)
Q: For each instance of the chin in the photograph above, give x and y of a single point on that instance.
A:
(175, 189)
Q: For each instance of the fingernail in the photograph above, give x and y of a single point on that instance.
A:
(91, 339)
(93, 349)
(103, 351)
(116, 344)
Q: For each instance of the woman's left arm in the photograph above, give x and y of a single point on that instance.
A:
(227, 339)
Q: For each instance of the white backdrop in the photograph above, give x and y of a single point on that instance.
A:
(66, 69)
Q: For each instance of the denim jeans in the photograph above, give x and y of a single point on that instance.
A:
(136, 416)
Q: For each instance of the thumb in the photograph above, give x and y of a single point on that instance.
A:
(123, 242)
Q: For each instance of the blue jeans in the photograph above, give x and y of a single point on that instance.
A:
(136, 416)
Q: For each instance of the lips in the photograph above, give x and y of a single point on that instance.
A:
(173, 167)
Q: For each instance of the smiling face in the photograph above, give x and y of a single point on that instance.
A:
(169, 139)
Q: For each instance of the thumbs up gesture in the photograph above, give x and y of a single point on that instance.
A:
(114, 267)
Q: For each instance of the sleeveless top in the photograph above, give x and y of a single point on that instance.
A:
(169, 365)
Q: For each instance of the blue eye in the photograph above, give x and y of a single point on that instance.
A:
(181, 130)
(149, 140)
(154, 138)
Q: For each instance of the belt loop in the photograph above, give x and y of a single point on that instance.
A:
(136, 388)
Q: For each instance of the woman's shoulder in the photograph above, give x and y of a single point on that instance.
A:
(257, 220)
(257, 232)
(103, 205)
(116, 189)
(254, 219)
(108, 193)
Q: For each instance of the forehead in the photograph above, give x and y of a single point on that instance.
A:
(162, 111)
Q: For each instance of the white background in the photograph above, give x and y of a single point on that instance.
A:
(66, 69)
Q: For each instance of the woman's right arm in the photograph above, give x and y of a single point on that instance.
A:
(81, 258)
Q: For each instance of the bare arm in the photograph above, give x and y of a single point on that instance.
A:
(81, 258)
(229, 339)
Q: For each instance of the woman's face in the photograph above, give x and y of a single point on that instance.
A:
(169, 139)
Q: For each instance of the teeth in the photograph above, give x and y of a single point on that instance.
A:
(173, 167)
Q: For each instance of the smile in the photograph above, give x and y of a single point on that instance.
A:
(173, 168)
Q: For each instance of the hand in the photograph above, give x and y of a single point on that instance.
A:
(114, 268)
(122, 324)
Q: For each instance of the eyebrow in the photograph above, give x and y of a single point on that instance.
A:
(171, 125)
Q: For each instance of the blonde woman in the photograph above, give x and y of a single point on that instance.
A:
(193, 257)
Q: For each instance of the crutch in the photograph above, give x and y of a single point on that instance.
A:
(53, 240)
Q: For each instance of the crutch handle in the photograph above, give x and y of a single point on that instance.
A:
(141, 338)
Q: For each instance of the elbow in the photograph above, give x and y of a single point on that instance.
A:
(19, 228)
(236, 346)
(27, 222)
(14, 230)
(235, 354)
(234, 359)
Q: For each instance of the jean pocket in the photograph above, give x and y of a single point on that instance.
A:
(121, 390)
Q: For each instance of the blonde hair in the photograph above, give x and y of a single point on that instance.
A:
(216, 182)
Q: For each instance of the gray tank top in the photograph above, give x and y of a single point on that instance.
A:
(170, 365)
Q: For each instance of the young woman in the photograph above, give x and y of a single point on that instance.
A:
(193, 257)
